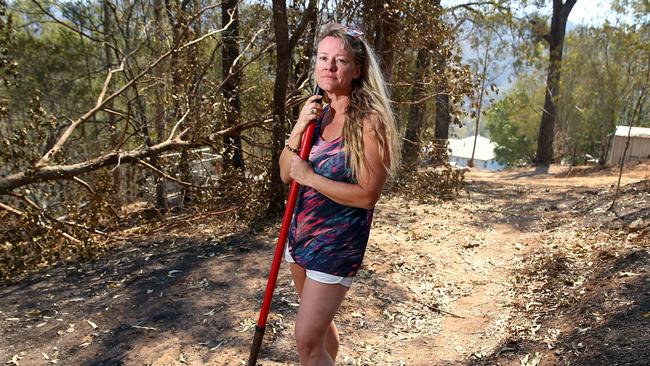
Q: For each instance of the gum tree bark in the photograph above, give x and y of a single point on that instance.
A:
(417, 111)
(284, 49)
(555, 39)
(233, 157)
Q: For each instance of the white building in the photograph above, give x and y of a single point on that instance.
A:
(639, 148)
(484, 158)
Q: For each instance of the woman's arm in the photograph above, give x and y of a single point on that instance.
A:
(365, 193)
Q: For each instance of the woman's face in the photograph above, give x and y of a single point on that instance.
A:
(335, 67)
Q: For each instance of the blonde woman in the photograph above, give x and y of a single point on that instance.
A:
(355, 149)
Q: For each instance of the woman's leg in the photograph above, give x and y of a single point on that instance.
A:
(318, 305)
(331, 334)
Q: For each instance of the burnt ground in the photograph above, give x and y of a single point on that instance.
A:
(524, 268)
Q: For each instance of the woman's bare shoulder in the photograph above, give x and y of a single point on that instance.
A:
(371, 122)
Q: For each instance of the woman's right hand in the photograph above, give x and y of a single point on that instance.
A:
(312, 110)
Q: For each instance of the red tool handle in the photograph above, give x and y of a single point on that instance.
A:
(305, 148)
(284, 231)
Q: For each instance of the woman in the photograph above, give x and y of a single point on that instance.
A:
(355, 148)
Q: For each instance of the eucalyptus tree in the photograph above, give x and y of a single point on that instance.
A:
(605, 70)
(285, 44)
(555, 40)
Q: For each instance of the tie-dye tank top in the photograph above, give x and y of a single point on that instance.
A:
(325, 236)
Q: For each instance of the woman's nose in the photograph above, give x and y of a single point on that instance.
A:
(330, 64)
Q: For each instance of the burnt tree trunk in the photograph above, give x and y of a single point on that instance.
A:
(443, 112)
(555, 39)
(160, 118)
(115, 135)
(284, 49)
(282, 68)
(233, 156)
(443, 116)
(417, 111)
(183, 65)
(382, 32)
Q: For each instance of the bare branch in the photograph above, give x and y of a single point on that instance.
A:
(241, 54)
(69, 171)
(292, 101)
(470, 6)
(207, 35)
(44, 161)
(11, 209)
(85, 185)
(178, 124)
(307, 16)
(167, 176)
(53, 219)
(64, 24)
(107, 81)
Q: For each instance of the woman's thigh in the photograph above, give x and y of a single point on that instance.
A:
(298, 274)
(318, 305)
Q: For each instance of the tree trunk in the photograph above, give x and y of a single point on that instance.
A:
(555, 39)
(233, 155)
(443, 111)
(443, 117)
(302, 67)
(284, 48)
(183, 64)
(384, 33)
(115, 136)
(417, 111)
(480, 107)
(282, 68)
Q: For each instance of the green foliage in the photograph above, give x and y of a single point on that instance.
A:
(603, 72)
(513, 122)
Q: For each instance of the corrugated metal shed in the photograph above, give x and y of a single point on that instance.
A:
(636, 131)
(639, 148)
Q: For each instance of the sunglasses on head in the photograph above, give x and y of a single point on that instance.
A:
(349, 30)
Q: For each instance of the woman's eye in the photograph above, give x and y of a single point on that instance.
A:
(342, 61)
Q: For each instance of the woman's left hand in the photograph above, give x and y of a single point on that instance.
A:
(300, 171)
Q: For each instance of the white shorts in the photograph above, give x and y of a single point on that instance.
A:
(320, 276)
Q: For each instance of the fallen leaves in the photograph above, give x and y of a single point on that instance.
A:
(181, 358)
(424, 264)
(14, 360)
(93, 325)
(246, 325)
(528, 361)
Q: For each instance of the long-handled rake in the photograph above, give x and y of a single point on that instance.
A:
(305, 148)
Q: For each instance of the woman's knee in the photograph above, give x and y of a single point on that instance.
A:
(308, 340)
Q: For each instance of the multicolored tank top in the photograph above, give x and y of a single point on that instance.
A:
(325, 236)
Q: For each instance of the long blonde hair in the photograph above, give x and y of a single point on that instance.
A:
(368, 100)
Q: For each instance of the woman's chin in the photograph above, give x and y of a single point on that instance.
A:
(333, 88)
(327, 85)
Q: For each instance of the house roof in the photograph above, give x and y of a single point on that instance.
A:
(462, 148)
(636, 131)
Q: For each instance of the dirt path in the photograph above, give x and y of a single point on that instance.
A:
(444, 283)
